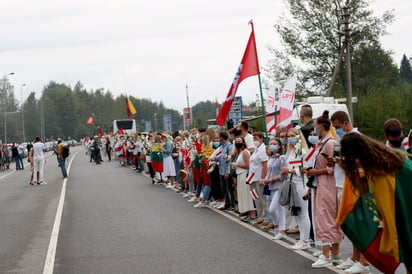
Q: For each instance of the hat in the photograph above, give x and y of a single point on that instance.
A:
(59, 139)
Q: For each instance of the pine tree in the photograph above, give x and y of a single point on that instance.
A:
(405, 70)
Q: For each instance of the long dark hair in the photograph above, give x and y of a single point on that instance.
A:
(374, 157)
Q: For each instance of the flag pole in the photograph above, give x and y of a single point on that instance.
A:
(263, 111)
(261, 93)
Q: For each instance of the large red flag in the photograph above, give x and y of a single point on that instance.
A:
(90, 120)
(249, 66)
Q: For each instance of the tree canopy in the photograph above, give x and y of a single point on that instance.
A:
(311, 42)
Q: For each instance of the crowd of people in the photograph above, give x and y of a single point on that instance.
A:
(294, 181)
(10, 153)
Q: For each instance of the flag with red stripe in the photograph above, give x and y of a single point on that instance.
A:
(249, 66)
(254, 194)
(90, 120)
(250, 177)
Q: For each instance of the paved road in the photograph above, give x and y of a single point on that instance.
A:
(116, 221)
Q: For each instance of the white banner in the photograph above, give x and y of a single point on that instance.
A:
(286, 102)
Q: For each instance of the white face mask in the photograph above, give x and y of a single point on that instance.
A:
(256, 143)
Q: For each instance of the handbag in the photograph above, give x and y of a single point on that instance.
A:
(284, 193)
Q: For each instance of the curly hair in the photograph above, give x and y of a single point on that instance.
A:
(374, 157)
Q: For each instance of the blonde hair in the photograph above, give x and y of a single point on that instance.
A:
(301, 139)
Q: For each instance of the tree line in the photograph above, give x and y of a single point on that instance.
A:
(311, 42)
(62, 111)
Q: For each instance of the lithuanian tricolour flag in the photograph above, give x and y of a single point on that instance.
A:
(129, 107)
(379, 223)
(157, 157)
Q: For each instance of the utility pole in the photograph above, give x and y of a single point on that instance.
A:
(188, 106)
(348, 33)
(22, 112)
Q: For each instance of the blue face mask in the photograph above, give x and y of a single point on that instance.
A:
(273, 148)
(340, 132)
(316, 132)
(292, 140)
(283, 141)
(216, 144)
(313, 139)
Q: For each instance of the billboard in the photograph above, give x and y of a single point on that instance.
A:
(167, 122)
(236, 112)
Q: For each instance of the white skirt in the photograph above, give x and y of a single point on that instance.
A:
(169, 166)
(245, 201)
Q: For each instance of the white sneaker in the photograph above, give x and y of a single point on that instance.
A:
(200, 204)
(193, 200)
(357, 268)
(300, 245)
(218, 204)
(279, 236)
(346, 264)
(42, 183)
(221, 205)
(322, 262)
(187, 195)
(169, 185)
(212, 204)
(317, 253)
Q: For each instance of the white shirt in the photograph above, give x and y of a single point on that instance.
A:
(38, 149)
(20, 149)
(256, 160)
(249, 141)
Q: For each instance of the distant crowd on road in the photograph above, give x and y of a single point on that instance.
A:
(321, 179)
(10, 153)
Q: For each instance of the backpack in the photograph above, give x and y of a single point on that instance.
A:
(65, 151)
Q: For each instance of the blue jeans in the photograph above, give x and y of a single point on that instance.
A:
(62, 163)
(139, 164)
(177, 168)
(19, 162)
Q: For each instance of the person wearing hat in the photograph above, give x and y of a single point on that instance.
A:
(60, 158)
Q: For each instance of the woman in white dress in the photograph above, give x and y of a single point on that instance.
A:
(169, 170)
(245, 201)
(293, 172)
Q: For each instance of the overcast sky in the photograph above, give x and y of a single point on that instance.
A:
(150, 49)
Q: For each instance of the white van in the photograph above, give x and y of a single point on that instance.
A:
(319, 104)
(127, 125)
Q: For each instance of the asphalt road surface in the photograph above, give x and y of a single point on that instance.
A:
(108, 219)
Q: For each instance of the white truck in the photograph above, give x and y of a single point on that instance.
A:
(319, 104)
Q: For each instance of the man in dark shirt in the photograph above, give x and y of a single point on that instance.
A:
(306, 114)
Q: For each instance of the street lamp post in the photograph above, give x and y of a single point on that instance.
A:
(5, 105)
(22, 112)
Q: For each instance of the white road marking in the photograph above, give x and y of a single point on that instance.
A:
(51, 251)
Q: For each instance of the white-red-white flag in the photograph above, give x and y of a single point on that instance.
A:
(270, 108)
(250, 178)
(90, 120)
(254, 194)
(249, 66)
(286, 102)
